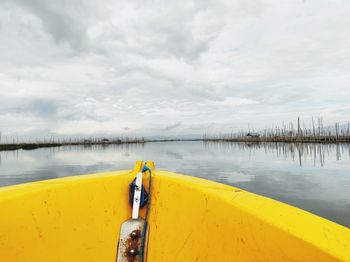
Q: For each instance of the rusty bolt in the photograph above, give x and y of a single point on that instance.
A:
(133, 252)
(135, 234)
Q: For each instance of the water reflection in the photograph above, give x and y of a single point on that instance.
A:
(303, 152)
(314, 177)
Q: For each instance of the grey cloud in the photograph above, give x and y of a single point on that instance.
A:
(62, 25)
(38, 107)
(44, 108)
(172, 126)
(86, 67)
(70, 22)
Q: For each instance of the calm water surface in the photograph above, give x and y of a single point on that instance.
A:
(313, 177)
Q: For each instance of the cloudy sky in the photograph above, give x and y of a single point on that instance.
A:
(107, 67)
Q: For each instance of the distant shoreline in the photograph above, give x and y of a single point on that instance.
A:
(276, 139)
(285, 139)
(32, 146)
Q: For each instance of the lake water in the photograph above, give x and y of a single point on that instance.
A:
(314, 177)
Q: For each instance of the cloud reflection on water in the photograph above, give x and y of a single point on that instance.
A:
(314, 177)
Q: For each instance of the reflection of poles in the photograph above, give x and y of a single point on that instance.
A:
(338, 152)
(292, 150)
(300, 154)
(315, 154)
(302, 151)
(320, 146)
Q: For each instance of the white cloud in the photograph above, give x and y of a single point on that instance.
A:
(96, 67)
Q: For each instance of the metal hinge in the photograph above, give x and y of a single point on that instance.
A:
(132, 230)
(129, 248)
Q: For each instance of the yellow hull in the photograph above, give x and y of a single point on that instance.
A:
(78, 219)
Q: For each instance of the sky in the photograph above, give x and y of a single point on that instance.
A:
(167, 68)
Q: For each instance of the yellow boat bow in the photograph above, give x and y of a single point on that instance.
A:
(79, 219)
